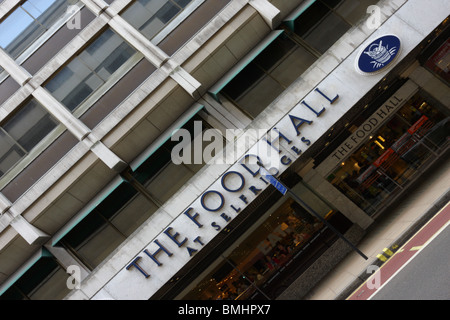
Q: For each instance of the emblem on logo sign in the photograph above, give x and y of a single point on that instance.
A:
(378, 54)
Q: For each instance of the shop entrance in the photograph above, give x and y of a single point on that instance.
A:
(395, 155)
(272, 253)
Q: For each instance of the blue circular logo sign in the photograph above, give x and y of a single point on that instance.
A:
(378, 54)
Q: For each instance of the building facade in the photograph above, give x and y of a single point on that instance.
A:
(134, 135)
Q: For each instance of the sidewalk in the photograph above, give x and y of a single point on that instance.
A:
(425, 198)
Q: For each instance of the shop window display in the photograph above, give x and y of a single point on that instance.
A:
(260, 257)
(394, 154)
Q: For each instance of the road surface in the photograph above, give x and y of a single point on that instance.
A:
(419, 270)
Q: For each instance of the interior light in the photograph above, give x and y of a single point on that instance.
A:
(379, 144)
(381, 138)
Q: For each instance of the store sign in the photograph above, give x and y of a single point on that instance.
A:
(365, 130)
(397, 150)
(378, 54)
(234, 190)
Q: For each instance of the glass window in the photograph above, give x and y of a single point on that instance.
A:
(268, 75)
(150, 16)
(98, 234)
(394, 154)
(153, 173)
(90, 69)
(28, 22)
(45, 280)
(320, 26)
(264, 259)
(22, 132)
(351, 10)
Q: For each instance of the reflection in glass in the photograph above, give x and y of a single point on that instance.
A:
(90, 69)
(394, 154)
(28, 22)
(150, 16)
(268, 75)
(22, 132)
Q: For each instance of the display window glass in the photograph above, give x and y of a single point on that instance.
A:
(90, 70)
(395, 154)
(151, 16)
(269, 252)
(28, 22)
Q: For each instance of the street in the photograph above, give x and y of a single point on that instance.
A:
(419, 270)
(426, 277)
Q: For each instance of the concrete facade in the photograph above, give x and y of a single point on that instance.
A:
(35, 214)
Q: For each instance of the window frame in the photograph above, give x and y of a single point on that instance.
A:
(37, 43)
(37, 149)
(128, 178)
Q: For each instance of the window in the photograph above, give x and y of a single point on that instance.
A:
(302, 42)
(45, 280)
(22, 132)
(395, 154)
(28, 22)
(127, 207)
(90, 69)
(324, 22)
(100, 232)
(266, 258)
(150, 16)
(268, 75)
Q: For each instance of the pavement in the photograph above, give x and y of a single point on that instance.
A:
(425, 198)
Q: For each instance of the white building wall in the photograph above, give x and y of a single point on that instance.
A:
(333, 74)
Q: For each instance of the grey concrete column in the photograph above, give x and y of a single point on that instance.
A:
(268, 11)
(337, 199)
(17, 72)
(55, 108)
(153, 53)
(24, 228)
(96, 6)
(186, 81)
(78, 129)
(5, 204)
(105, 154)
(27, 231)
(67, 260)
